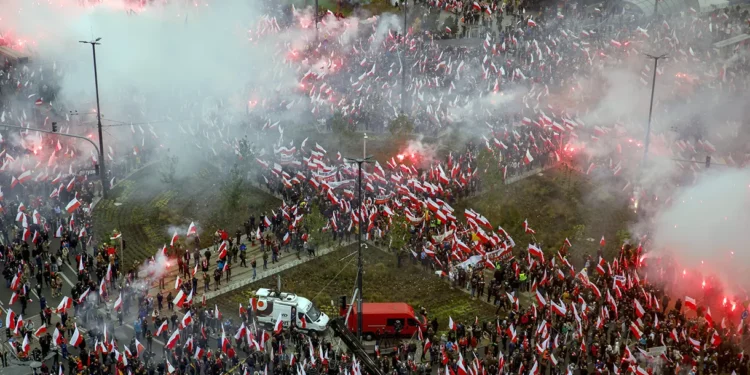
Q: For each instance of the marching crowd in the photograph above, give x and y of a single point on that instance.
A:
(603, 316)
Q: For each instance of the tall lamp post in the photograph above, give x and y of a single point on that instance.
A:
(102, 169)
(651, 107)
(403, 70)
(359, 240)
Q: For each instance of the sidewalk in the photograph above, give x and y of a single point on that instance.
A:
(241, 276)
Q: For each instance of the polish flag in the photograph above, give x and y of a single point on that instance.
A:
(186, 320)
(527, 158)
(715, 339)
(191, 229)
(674, 336)
(175, 237)
(179, 299)
(139, 348)
(531, 23)
(602, 242)
(707, 316)
(537, 252)
(65, 304)
(162, 328)
(217, 313)
(695, 343)
(76, 339)
(639, 311)
(278, 326)
(199, 353)
(41, 330)
(451, 325)
(19, 325)
(83, 296)
(118, 303)
(73, 205)
(25, 346)
(559, 309)
(690, 303)
(527, 228)
(303, 322)
(57, 338)
(177, 282)
(225, 341)
(540, 299)
(10, 319)
(173, 339)
(636, 332)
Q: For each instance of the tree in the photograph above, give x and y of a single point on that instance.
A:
(399, 233)
(401, 126)
(315, 221)
(231, 188)
(340, 127)
(168, 169)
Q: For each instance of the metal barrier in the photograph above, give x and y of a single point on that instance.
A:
(354, 345)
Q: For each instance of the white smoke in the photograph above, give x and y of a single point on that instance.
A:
(706, 224)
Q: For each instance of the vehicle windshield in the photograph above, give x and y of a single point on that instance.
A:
(313, 313)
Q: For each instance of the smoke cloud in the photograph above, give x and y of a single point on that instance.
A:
(706, 225)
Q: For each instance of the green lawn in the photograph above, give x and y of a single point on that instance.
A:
(558, 204)
(144, 208)
(326, 278)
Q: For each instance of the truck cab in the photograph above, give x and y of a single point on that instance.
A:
(271, 304)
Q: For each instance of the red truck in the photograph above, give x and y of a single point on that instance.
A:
(380, 318)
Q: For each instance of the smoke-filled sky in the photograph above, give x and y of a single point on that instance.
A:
(172, 60)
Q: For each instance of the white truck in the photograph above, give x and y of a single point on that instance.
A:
(270, 305)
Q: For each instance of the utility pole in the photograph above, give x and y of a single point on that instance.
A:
(316, 20)
(651, 107)
(403, 70)
(102, 169)
(656, 7)
(359, 241)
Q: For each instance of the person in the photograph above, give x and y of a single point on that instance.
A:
(149, 340)
(253, 265)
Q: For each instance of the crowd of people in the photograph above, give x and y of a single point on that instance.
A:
(602, 316)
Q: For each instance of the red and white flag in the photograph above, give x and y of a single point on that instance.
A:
(192, 230)
(690, 303)
(639, 310)
(72, 205)
(76, 339)
(278, 326)
(162, 328)
(636, 332)
(173, 339)
(41, 330)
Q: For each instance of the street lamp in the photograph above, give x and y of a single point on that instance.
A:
(403, 69)
(102, 170)
(359, 240)
(651, 106)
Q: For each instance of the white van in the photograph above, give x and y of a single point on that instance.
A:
(270, 305)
